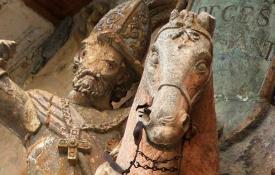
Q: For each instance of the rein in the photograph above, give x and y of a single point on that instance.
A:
(137, 137)
(134, 163)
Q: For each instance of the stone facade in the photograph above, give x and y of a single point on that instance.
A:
(29, 30)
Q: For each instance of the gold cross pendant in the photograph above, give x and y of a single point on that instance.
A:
(72, 145)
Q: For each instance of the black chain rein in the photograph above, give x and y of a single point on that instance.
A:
(137, 137)
(134, 163)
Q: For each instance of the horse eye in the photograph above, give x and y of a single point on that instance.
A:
(83, 53)
(201, 67)
(155, 58)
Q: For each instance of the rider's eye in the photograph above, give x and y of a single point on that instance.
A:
(201, 67)
(110, 65)
(83, 53)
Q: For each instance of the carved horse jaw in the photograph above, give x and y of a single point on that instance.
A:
(177, 70)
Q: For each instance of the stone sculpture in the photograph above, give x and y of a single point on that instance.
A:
(47, 123)
(174, 104)
(109, 62)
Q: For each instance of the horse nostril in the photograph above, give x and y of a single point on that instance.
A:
(145, 119)
(185, 120)
(147, 111)
(144, 113)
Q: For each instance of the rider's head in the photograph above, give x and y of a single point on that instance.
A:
(111, 57)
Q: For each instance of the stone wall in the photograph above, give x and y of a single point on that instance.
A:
(29, 30)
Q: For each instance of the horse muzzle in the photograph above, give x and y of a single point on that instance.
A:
(166, 131)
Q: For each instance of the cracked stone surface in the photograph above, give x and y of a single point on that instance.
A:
(255, 155)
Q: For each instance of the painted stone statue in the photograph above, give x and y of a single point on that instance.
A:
(57, 132)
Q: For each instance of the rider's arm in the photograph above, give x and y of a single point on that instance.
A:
(16, 109)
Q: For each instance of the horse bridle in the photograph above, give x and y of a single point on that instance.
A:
(137, 133)
(184, 92)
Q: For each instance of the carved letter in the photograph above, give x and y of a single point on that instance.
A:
(270, 1)
(212, 8)
(227, 13)
(263, 18)
(202, 9)
(246, 13)
(264, 48)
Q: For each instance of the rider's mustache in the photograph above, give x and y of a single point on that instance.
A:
(89, 83)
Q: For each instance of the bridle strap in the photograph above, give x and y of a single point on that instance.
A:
(183, 91)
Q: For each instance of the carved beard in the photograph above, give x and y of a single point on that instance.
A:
(89, 83)
(94, 84)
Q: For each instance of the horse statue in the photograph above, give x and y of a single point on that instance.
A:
(172, 128)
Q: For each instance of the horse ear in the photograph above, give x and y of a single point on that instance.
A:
(207, 21)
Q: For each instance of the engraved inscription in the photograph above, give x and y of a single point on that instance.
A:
(244, 22)
(243, 14)
(264, 48)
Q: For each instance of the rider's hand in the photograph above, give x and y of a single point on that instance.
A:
(7, 51)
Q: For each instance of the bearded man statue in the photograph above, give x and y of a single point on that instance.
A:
(58, 132)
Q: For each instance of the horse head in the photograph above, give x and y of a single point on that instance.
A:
(177, 71)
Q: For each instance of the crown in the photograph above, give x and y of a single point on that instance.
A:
(127, 29)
